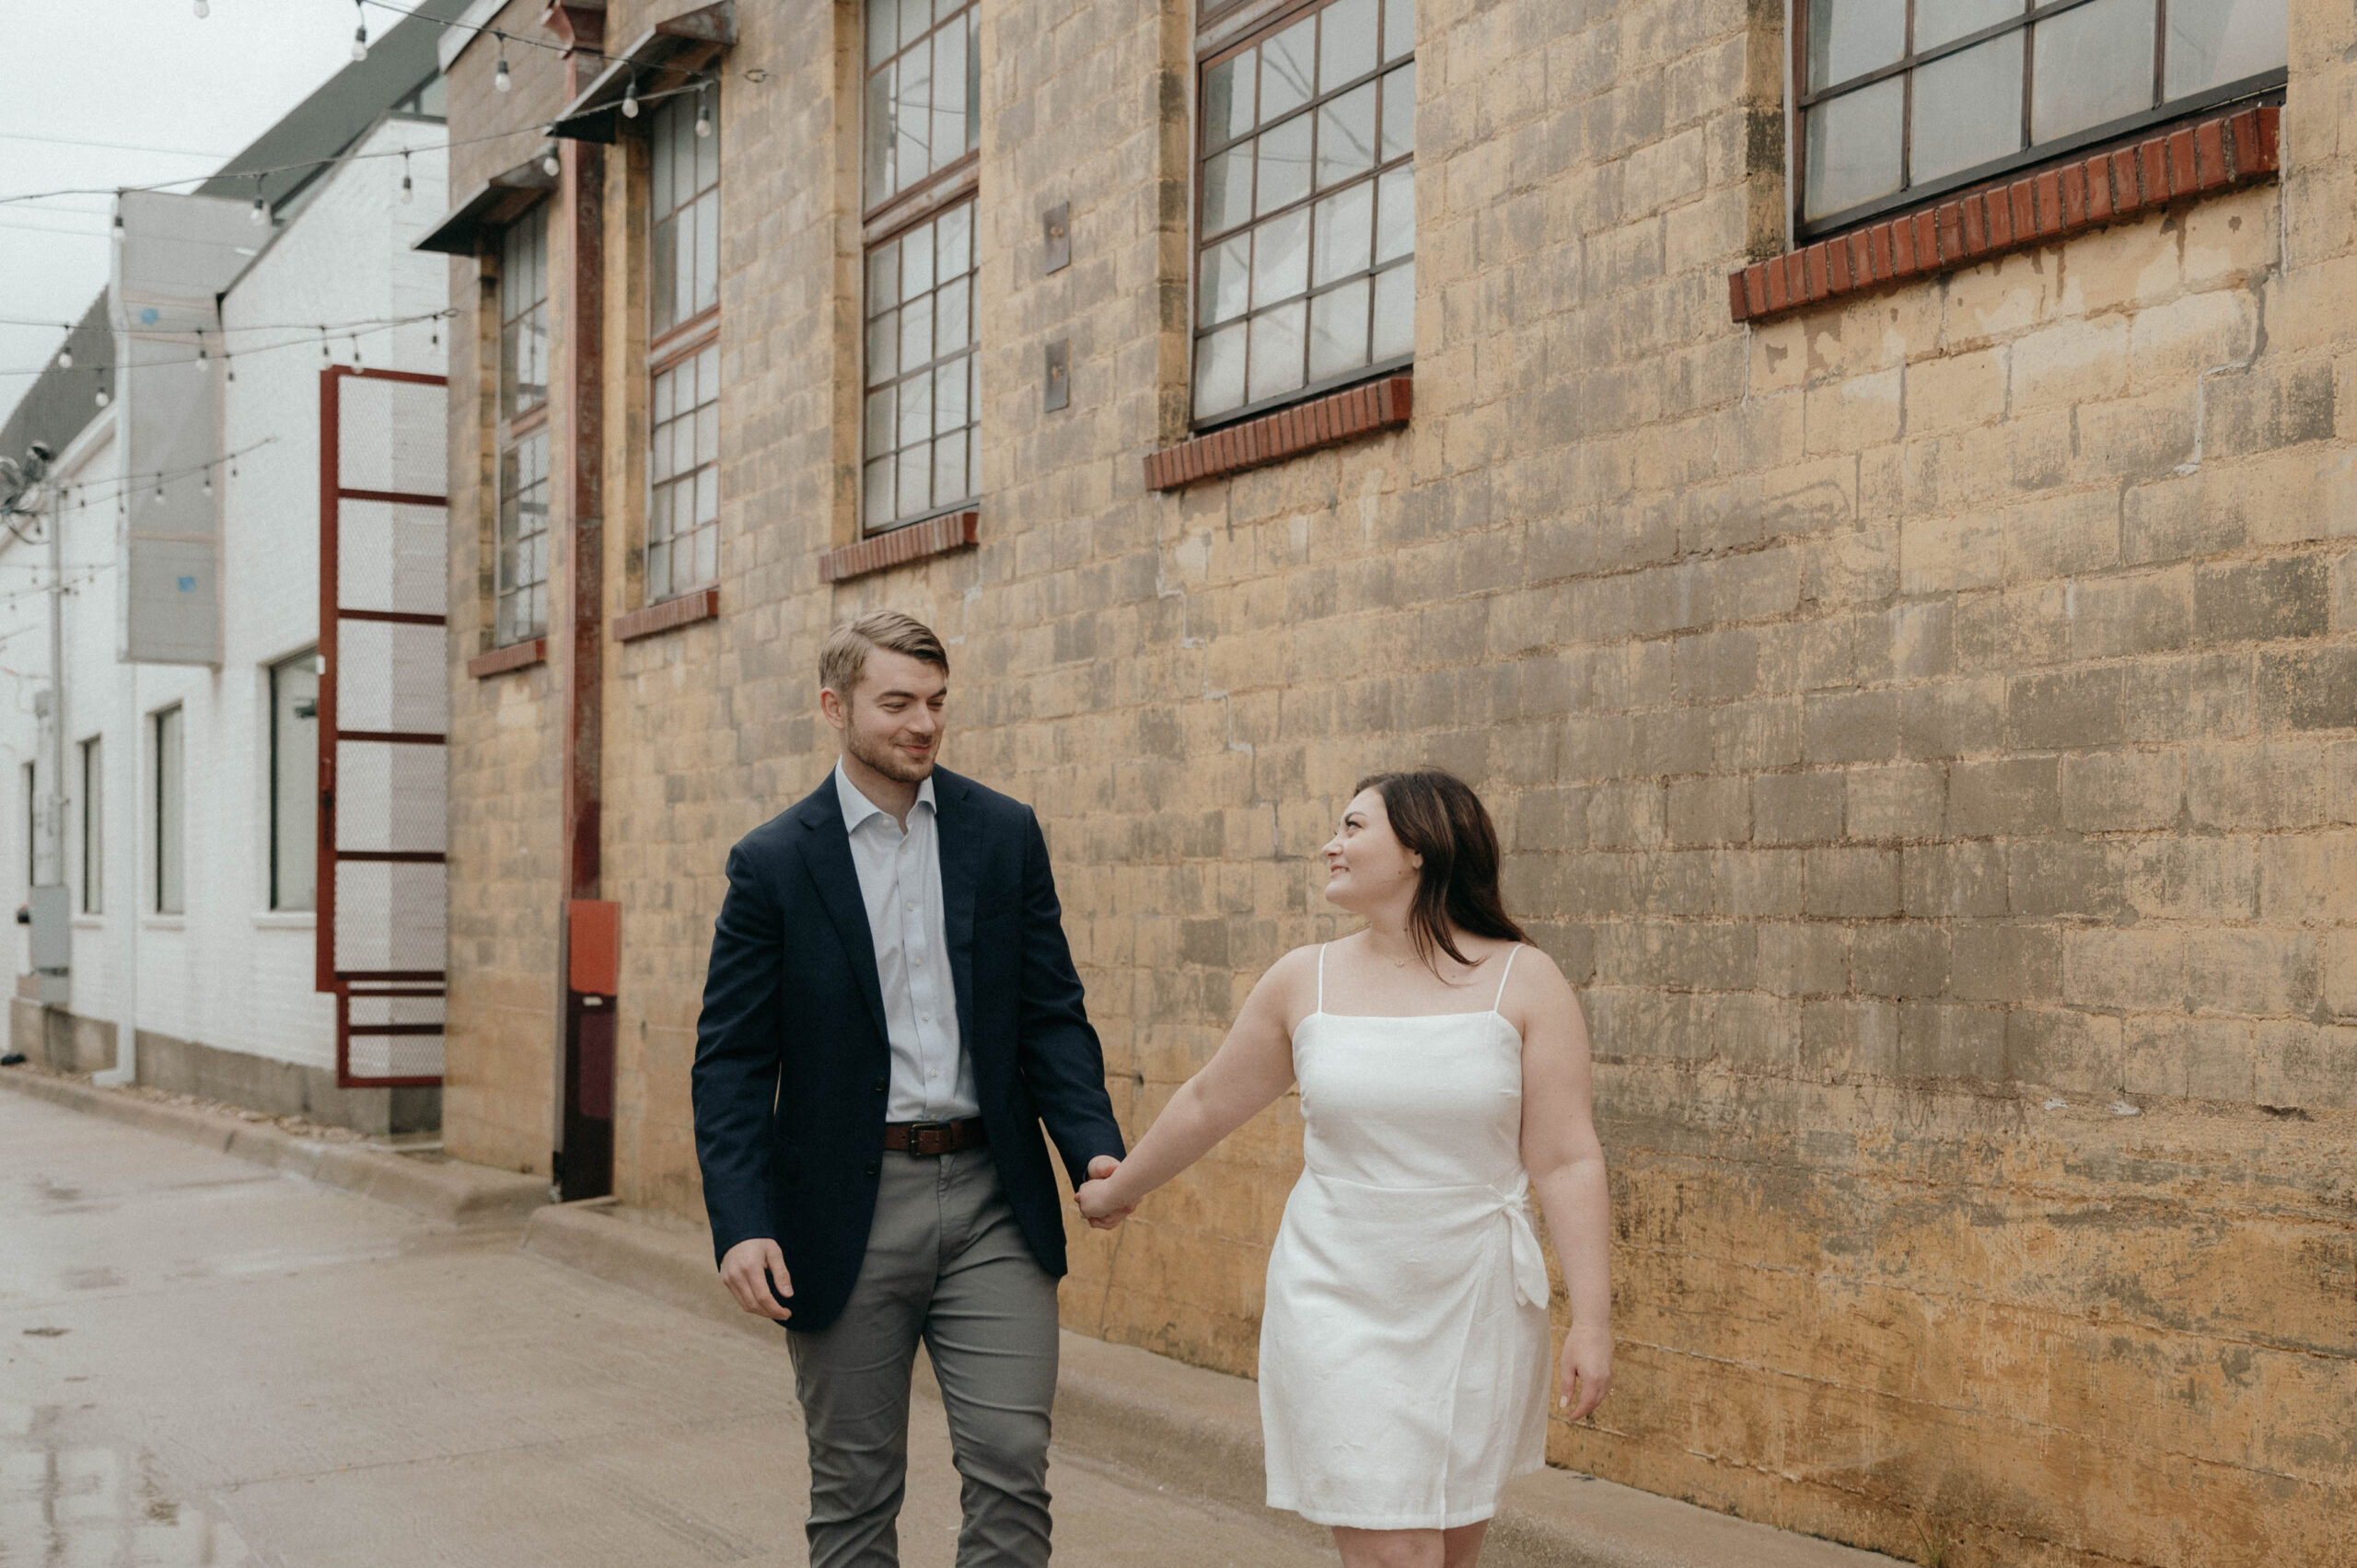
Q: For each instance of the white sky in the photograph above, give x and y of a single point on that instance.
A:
(141, 72)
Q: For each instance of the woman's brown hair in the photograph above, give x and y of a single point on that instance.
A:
(1436, 815)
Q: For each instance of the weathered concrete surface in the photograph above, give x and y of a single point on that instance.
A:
(1199, 1432)
(422, 1180)
(202, 1362)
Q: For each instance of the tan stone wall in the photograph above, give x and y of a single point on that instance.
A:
(1926, 731)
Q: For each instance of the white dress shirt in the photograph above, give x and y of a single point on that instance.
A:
(900, 881)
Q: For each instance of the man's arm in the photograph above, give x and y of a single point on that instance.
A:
(736, 1075)
(1056, 1046)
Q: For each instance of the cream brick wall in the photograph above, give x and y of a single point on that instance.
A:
(1924, 727)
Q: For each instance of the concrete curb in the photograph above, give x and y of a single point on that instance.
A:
(1199, 1432)
(436, 1187)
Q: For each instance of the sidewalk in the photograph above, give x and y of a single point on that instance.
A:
(215, 1365)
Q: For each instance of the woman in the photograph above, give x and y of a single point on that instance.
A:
(1404, 1341)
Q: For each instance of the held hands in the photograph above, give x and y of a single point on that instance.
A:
(747, 1269)
(1092, 1197)
(1586, 1375)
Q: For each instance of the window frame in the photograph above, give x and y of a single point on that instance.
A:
(887, 221)
(276, 899)
(671, 347)
(513, 430)
(92, 761)
(2031, 156)
(1223, 31)
(170, 820)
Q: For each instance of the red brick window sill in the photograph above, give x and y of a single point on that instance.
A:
(917, 542)
(2217, 154)
(1328, 421)
(697, 604)
(514, 655)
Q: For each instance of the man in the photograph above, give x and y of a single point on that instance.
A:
(890, 1015)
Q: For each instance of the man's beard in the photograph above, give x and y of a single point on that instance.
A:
(887, 760)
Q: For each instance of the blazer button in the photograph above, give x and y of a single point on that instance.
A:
(874, 1166)
(880, 1086)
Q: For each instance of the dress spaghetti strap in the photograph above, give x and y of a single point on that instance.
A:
(1321, 977)
(1503, 976)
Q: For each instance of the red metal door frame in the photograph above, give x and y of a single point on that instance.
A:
(328, 977)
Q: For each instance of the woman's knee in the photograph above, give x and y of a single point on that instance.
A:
(1388, 1549)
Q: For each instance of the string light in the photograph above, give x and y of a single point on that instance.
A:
(324, 353)
(703, 115)
(499, 83)
(159, 490)
(103, 398)
(630, 98)
(208, 484)
(203, 10)
(258, 216)
(65, 354)
(360, 33)
(407, 193)
(550, 165)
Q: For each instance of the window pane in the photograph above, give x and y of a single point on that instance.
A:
(1338, 331)
(2092, 64)
(1276, 352)
(916, 262)
(1398, 29)
(708, 434)
(1968, 108)
(949, 95)
(883, 31)
(955, 230)
(1228, 97)
(916, 478)
(659, 573)
(1937, 21)
(1395, 313)
(1346, 135)
(1399, 112)
(1227, 189)
(876, 506)
(880, 427)
(1286, 69)
(1219, 371)
(1395, 215)
(915, 17)
(950, 398)
(2212, 42)
(973, 79)
(707, 497)
(1852, 148)
(876, 143)
(916, 416)
(1280, 258)
(94, 827)
(1226, 290)
(912, 110)
(1284, 166)
(916, 333)
(708, 375)
(707, 556)
(1847, 37)
(1344, 229)
(707, 289)
(169, 813)
(293, 800)
(953, 329)
(1345, 43)
(883, 277)
(949, 469)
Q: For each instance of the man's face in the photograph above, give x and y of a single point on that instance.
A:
(893, 721)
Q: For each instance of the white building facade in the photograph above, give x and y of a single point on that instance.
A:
(185, 831)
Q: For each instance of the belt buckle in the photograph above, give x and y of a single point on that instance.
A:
(920, 1130)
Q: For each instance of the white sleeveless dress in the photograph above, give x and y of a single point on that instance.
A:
(1405, 1345)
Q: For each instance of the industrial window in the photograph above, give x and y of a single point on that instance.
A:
(520, 573)
(923, 99)
(294, 794)
(93, 828)
(683, 354)
(923, 375)
(171, 813)
(1305, 206)
(1903, 99)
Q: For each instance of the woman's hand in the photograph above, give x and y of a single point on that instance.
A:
(1587, 1375)
(1094, 1197)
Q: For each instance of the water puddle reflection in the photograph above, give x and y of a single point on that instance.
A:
(69, 1502)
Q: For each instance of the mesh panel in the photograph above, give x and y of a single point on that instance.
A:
(389, 676)
(387, 916)
(392, 435)
(390, 557)
(388, 797)
(401, 1055)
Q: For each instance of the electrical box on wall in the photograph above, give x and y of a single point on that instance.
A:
(52, 943)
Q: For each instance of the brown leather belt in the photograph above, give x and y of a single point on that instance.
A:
(934, 1137)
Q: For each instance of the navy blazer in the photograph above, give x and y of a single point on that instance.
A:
(792, 1064)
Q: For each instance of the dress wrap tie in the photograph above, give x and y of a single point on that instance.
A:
(1529, 1262)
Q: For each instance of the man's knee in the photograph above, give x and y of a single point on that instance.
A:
(1005, 1450)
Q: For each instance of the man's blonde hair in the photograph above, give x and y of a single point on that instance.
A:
(844, 657)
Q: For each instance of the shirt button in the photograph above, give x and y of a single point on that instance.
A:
(926, 1017)
(910, 908)
(918, 960)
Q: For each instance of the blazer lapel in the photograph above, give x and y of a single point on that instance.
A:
(959, 833)
(826, 853)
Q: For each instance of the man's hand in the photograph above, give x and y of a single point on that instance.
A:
(1094, 1199)
(747, 1269)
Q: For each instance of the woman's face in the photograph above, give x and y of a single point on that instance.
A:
(1365, 863)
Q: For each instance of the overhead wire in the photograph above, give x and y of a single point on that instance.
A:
(320, 336)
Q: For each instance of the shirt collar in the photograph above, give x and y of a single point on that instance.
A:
(857, 808)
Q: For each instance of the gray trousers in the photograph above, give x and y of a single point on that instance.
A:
(946, 1263)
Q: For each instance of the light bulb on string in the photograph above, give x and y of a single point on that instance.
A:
(203, 9)
(551, 164)
(360, 33)
(703, 115)
(499, 75)
(65, 357)
(258, 216)
(630, 98)
(208, 484)
(408, 195)
(355, 348)
(159, 490)
(325, 352)
(103, 398)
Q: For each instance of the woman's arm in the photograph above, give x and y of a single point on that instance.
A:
(1566, 1165)
(1252, 1067)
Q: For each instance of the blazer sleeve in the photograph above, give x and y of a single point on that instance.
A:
(737, 1057)
(1056, 1046)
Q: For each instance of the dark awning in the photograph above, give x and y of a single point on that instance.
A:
(666, 56)
(475, 223)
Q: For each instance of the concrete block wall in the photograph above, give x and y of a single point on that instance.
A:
(1925, 728)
